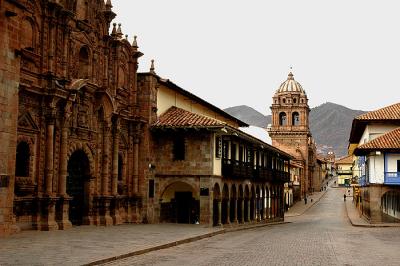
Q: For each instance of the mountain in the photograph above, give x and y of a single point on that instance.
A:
(249, 115)
(330, 124)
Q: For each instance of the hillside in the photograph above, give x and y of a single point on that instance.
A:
(330, 124)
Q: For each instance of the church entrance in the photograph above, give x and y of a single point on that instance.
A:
(78, 174)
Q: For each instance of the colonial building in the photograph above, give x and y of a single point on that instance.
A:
(205, 169)
(374, 139)
(344, 170)
(290, 129)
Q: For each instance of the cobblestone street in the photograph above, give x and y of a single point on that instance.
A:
(321, 236)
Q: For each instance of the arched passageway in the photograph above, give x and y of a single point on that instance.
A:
(78, 177)
(179, 204)
(225, 205)
(233, 205)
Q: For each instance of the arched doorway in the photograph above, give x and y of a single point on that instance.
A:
(78, 174)
(179, 204)
(233, 205)
(225, 205)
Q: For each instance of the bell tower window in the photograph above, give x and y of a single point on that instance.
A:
(282, 119)
(295, 119)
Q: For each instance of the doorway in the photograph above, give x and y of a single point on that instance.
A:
(78, 174)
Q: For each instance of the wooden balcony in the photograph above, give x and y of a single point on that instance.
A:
(245, 170)
(392, 178)
(236, 169)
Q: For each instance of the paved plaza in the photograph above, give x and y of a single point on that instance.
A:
(317, 234)
(323, 235)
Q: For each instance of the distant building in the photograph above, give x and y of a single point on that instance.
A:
(290, 130)
(375, 140)
(344, 170)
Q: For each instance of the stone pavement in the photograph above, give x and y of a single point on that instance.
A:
(86, 244)
(321, 236)
(299, 207)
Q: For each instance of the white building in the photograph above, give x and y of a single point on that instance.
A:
(375, 139)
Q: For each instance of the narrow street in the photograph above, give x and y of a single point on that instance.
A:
(321, 236)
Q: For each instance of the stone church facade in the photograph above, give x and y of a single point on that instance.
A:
(74, 118)
(290, 130)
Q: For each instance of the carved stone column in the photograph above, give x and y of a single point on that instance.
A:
(63, 204)
(136, 163)
(48, 206)
(114, 184)
(105, 199)
(50, 119)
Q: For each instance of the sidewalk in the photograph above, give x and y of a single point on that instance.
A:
(91, 245)
(299, 207)
(86, 244)
(356, 219)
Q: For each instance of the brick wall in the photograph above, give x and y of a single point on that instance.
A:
(9, 78)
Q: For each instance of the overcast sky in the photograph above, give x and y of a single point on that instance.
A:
(234, 52)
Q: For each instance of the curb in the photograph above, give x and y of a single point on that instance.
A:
(180, 242)
(368, 224)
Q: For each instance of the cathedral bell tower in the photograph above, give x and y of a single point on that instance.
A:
(290, 129)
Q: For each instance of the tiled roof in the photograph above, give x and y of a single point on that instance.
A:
(388, 141)
(176, 117)
(391, 112)
(345, 160)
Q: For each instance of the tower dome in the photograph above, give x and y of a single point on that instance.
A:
(290, 85)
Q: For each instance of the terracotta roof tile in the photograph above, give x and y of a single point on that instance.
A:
(391, 112)
(345, 160)
(176, 117)
(388, 141)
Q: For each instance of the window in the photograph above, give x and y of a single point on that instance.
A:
(151, 188)
(233, 151)
(398, 165)
(282, 119)
(295, 119)
(284, 100)
(225, 149)
(294, 100)
(179, 149)
(22, 159)
(240, 153)
(83, 63)
(218, 147)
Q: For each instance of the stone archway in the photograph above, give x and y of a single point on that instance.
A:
(179, 204)
(225, 205)
(233, 205)
(77, 186)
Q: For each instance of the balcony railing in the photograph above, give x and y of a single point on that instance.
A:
(344, 172)
(236, 169)
(362, 181)
(244, 170)
(392, 178)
